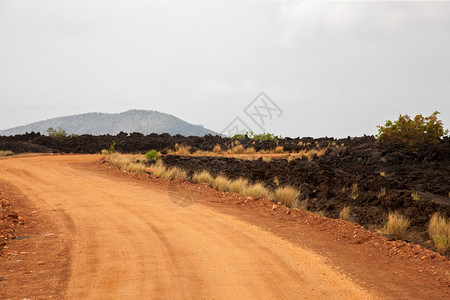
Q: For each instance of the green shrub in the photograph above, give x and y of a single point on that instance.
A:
(152, 154)
(412, 133)
(56, 134)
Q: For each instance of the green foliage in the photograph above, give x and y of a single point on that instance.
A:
(152, 154)
(257, 137)
(111, 148)
(56, 134)
(412, 133)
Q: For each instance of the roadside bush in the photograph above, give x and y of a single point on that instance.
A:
(239, 185)
(412, 133)
(221, 183)
(287, 195)
(126, 163)
(257, 190)
(152, 155)
(397, 225)
(439, 232)
(202, 176)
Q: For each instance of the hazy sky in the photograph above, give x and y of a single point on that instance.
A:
(333, 68)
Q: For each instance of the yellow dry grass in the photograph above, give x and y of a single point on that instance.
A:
(217, 149)
(287, 195)
(397, 225)
(344, 214)
(5, 152)
(202, 176)
(439, 232)
(221, 183)
(279, 149)
(238, 185)
(257, 190)
(180, 150)
(126, 163)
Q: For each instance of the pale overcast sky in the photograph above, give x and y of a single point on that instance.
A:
(333, 68)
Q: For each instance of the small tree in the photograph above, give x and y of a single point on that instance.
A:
(412, 133)
(53, 133)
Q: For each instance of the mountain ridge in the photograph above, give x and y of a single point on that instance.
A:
(97, 123)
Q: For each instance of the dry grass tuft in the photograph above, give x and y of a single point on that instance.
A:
(267, 159)
(5, 152)
(238, 149)
(202, 176)
(239, 185)
(279, 149)
(180, 150)
(159, 169)
(344, 214)
(250, 150)
(287, 195)
(126, 163)
(175, 172)
(397, 225)
(257, 190)
(439, 232)
(217, 149)
(303, 205)
(354, 191)
(381, 193)
(415, 196)
(221, 183)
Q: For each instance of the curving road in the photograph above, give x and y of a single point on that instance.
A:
(128, 240)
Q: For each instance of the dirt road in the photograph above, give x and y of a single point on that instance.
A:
(128, 240)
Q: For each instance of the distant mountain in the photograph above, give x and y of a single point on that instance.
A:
(143, 121)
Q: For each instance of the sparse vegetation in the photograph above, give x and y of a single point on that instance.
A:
(412, 133)
(383, 174)
(257, 190)
(257, 137)
(111, 148)
(221, 183)
(439, 232)
(397, 225)
(415, 196)
(202, 176)
(287, 195)
(381, 193)
(354, 191)
(217, 149)
(344, 214)
(239, 185)
(126, 163)
(56, 133)
(5, 152)
(180, 150)
(152, 155)
(279, 149)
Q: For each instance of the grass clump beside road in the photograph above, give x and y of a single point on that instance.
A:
(287, 195)
(126, 163)
(5, 152)
(257, 190)
(202, 176)
(397, 225)
(239, 185)
(344, 214)
(439, 232)
(221, 183)
(159, 169)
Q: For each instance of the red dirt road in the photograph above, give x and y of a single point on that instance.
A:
(96, 235)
